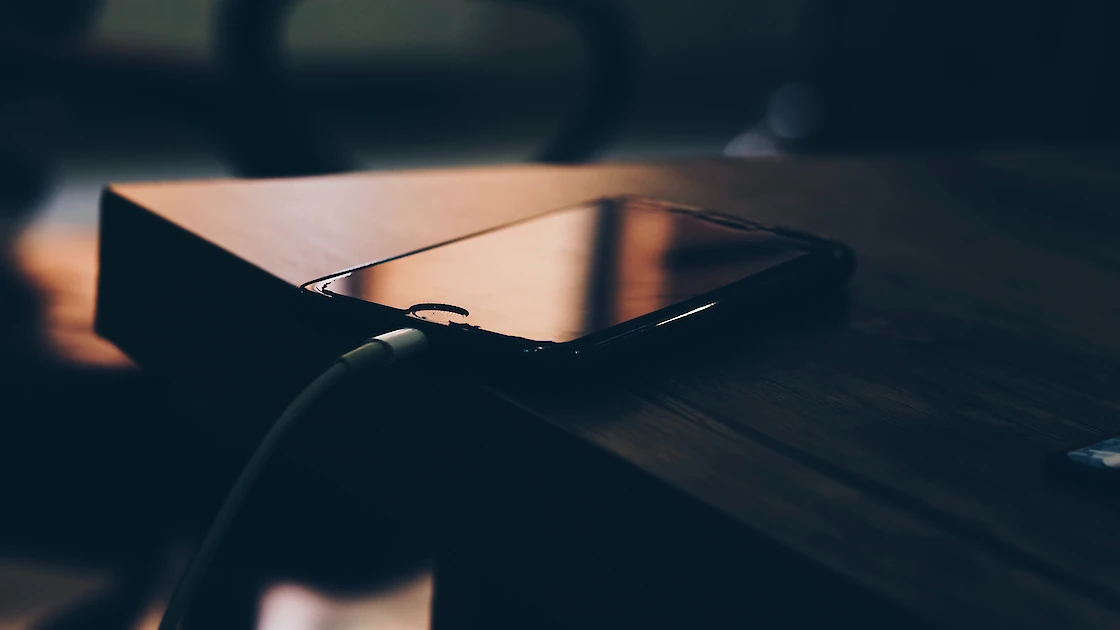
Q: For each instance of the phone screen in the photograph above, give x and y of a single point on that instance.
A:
(572, 272)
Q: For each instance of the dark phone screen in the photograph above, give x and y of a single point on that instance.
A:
(573, 272)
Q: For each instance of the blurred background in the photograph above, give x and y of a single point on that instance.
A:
(107, 479)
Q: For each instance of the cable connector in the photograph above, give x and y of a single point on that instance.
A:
(379, 351)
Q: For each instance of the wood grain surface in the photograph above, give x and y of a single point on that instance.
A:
(874, 459)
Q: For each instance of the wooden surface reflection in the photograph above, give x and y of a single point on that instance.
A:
(60, 265)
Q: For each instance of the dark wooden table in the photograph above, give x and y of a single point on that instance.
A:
(869, 461)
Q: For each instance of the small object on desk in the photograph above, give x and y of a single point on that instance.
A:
(1098, 461)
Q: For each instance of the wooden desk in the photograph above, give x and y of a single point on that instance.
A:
(866, 463)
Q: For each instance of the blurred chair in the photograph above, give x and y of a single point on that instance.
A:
(249, 44)
(247, 98)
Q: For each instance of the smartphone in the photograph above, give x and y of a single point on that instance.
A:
(583, 281)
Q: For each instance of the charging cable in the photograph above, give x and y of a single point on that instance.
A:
(378, 352)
